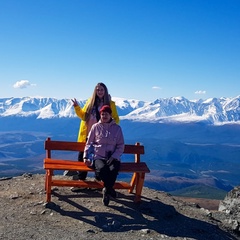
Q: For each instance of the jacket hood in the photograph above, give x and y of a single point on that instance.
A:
(109, 123)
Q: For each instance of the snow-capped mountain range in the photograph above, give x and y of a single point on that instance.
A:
(174, 109)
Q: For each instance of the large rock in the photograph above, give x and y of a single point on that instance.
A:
(231, 207)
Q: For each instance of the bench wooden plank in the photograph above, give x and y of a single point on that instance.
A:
(78, 146)
(64, 146)
(87, 184)
(56, 164)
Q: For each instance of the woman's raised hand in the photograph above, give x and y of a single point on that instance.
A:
(75, 103)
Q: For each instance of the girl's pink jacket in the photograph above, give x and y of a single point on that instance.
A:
(107, 139)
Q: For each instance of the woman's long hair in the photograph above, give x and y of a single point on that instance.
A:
(95, 100)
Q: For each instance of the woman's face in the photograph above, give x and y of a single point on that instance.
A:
(100, 91)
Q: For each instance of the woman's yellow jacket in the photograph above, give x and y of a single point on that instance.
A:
(82, 134)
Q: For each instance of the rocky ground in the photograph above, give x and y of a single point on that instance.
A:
(25, 215)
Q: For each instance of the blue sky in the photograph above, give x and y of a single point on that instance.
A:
(141, 49)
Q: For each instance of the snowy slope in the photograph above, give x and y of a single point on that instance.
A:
(175, 109)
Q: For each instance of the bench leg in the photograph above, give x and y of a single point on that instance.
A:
(133, 182)
(139, 186)
(48, 183)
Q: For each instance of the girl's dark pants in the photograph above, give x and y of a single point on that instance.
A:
(107, 172)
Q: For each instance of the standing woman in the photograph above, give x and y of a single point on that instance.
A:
(90, 115)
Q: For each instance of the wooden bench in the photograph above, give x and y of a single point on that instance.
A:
(137, 168)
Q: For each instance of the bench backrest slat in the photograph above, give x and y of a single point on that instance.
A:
(65, 146)
(77, 146)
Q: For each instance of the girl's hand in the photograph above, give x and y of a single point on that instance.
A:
(75, 103)
(87, 162)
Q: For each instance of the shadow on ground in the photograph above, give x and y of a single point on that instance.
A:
(149, 214)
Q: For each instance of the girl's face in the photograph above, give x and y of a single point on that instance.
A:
(105, 117)
(100, 91)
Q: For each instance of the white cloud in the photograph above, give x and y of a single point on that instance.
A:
(156, 87)
(23, 84)
(200, 92)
